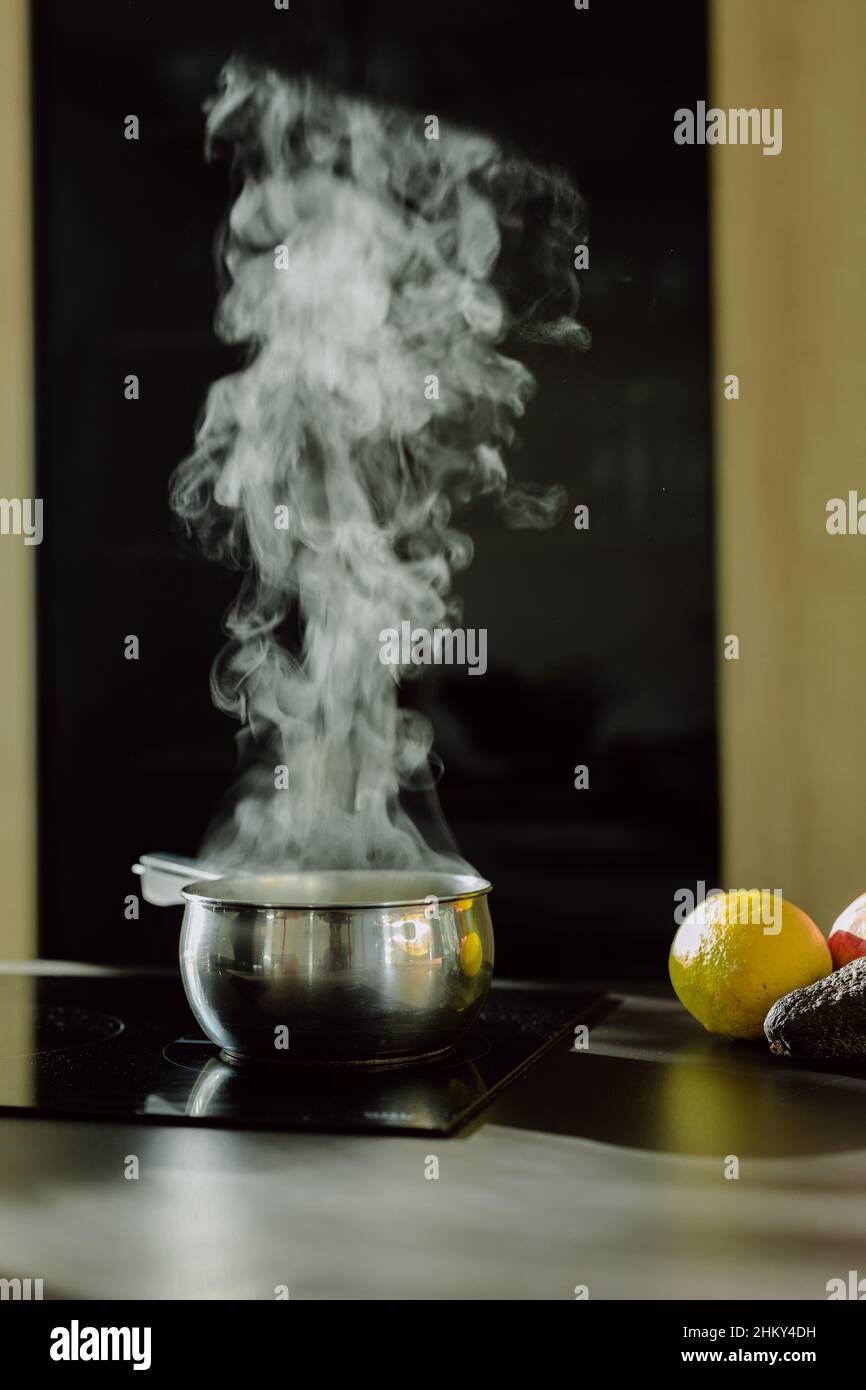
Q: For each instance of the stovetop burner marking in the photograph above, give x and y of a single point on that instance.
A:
(53, 1017)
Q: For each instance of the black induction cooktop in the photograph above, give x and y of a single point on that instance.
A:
(124, 1046)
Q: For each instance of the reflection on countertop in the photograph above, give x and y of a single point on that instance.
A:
(605, 1167)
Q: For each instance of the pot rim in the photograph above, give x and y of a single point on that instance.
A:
(229, 892)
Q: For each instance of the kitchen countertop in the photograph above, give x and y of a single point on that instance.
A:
(604, 1168)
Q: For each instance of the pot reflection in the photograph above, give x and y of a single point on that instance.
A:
(389, 1095)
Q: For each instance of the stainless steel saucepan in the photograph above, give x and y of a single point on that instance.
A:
(338, 967)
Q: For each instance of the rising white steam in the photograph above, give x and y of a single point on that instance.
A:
(406, 259)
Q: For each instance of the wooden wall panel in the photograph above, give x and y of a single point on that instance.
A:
(17, 561)
(790, 312)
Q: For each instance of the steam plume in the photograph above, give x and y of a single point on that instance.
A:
(407, 259)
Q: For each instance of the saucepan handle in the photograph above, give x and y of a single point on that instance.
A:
(164, 875)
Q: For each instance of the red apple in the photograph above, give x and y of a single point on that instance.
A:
(847, 940)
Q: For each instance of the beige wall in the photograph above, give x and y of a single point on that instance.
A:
(17, 562)
(790, 287)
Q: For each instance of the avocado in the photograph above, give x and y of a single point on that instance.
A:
(826, 1019)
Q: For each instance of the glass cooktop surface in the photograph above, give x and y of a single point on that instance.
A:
(126, 1047)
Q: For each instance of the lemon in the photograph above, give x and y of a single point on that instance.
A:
(736, 954)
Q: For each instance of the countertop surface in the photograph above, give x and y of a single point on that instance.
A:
(657, 1163)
